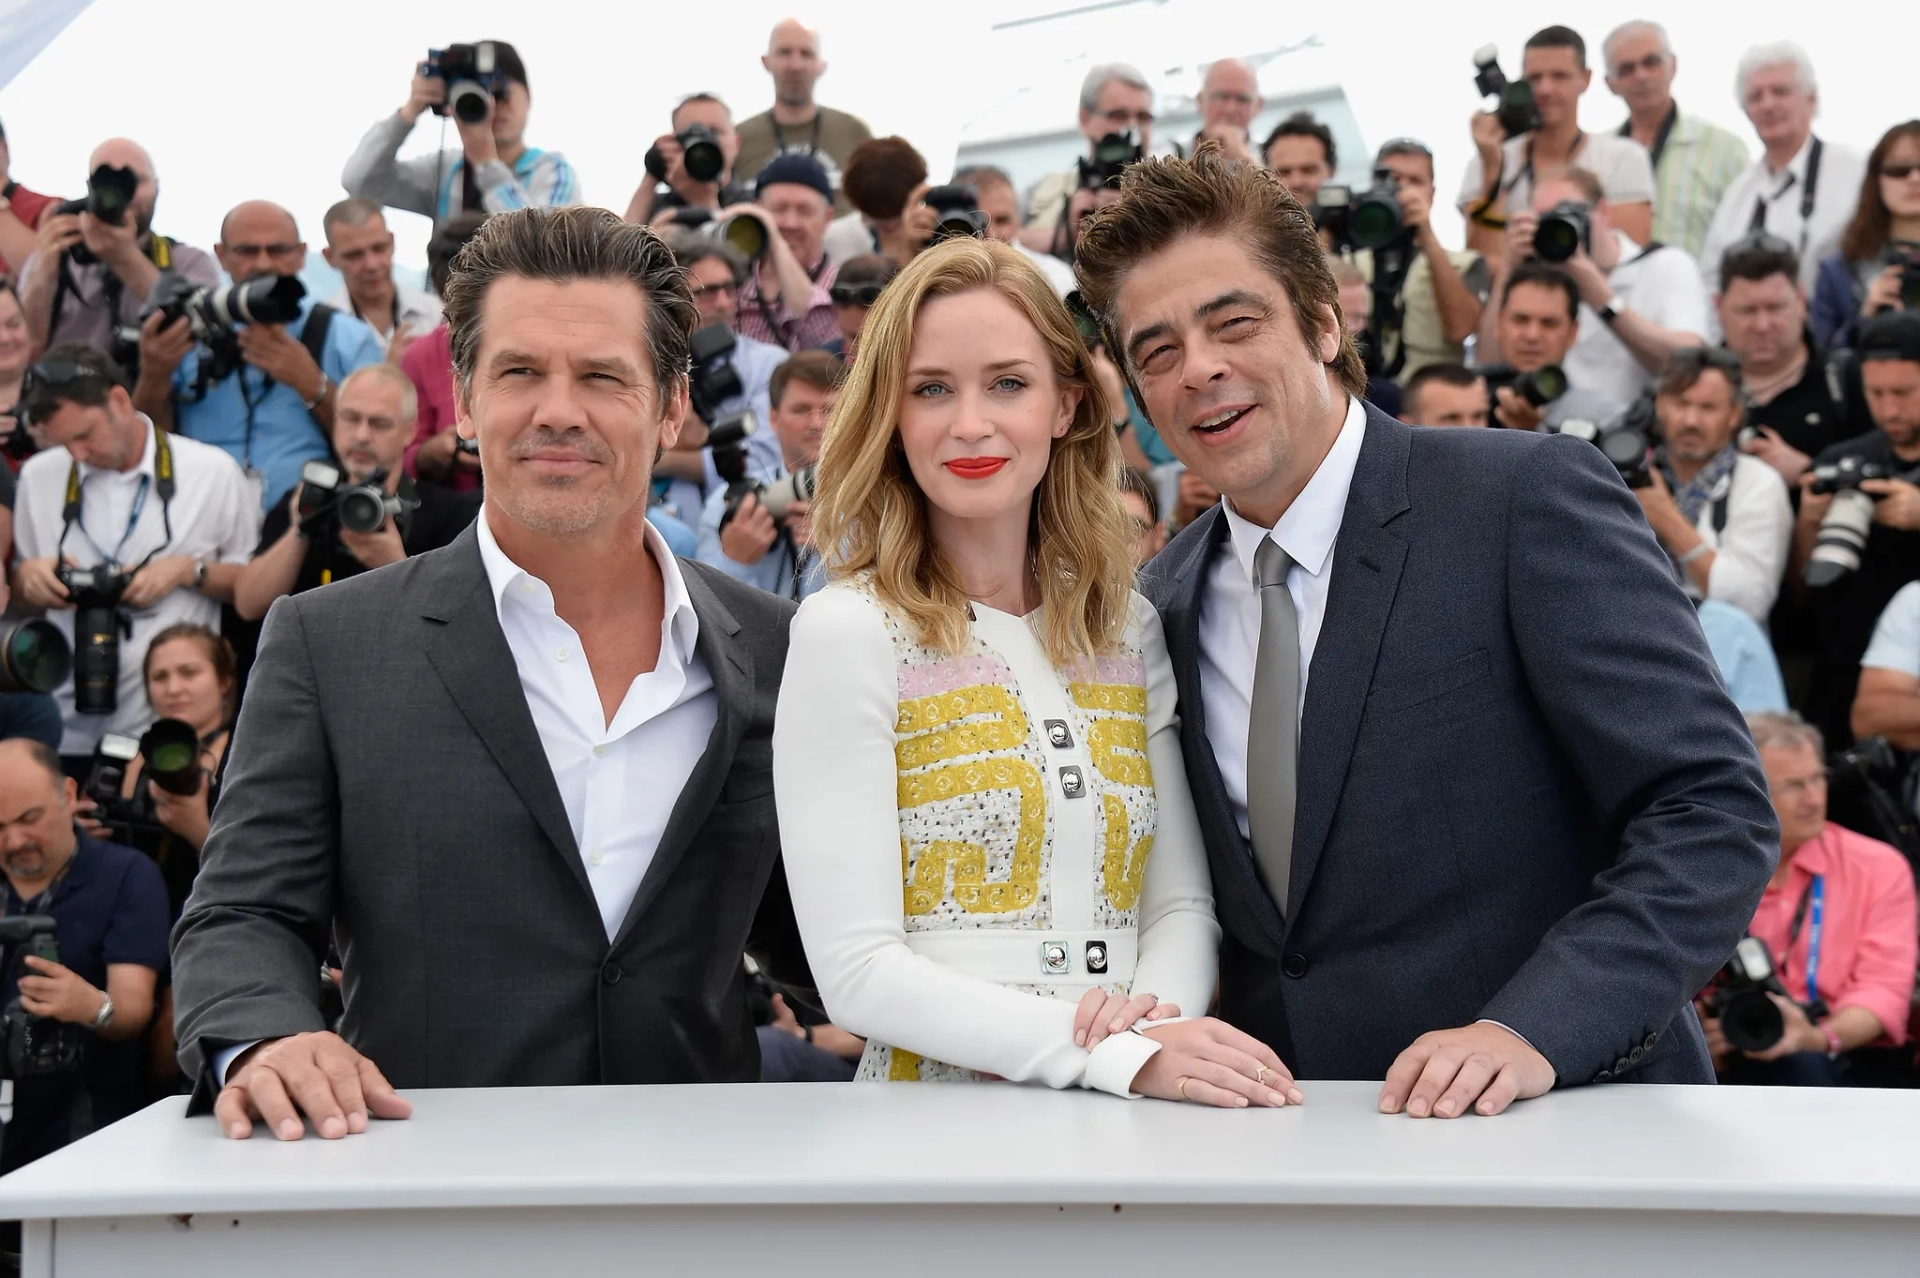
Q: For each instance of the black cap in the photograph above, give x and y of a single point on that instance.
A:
(506, 60)
(1892, 335)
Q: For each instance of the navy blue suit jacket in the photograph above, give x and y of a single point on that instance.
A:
(1523, 794)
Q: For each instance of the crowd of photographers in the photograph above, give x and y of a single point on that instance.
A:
(189, 437)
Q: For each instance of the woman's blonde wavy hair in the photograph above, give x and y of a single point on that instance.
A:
(873, 515)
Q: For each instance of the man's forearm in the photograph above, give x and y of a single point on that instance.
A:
(1893, 715)
(269, 576)
(796, 289)
(36, 295)
(1855, 1027)
(1489, 242)
(153, 395)
(1459, 308)
(640, 207)
(1487, 347)
(221, 580)
(138, 275)
(1650, 344)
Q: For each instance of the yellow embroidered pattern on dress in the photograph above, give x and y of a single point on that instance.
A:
(1117, 740)
(936, 728)
(1123, 875)
(903, 1066)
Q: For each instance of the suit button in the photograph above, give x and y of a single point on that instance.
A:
(611, 974)
(1294, 965)
(1603, 1076)
(1650, 1041)
(1622, 1065)
(1636, 1055)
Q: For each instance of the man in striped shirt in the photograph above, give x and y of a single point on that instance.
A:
(493, 171)
(1693, 161)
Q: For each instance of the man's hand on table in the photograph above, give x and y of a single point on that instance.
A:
(1483, 1067)
(318, 1075)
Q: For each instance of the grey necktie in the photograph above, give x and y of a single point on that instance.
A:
(1273, 730)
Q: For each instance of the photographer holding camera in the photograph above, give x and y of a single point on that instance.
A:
(97, 259)
(310, 539)
(1838, 926)
(1721, 516)
(86, 1010)
(483, 86)
(786, 300)
(1537, 323)
(1000, 202)
(435, 454)
(1638, 305)
(692, 167)
(1877, 267)
(1116, 115)
(739, 533)
(1854, 554)
(1440, 294)
(1502, 175)
(1229, 100)
(136, 528)
(262, 389)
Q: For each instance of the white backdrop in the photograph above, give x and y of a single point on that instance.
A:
(241, 100)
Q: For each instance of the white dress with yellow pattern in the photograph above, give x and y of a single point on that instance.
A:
(972, 841)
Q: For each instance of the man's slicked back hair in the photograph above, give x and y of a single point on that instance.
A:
(562, 245)
(1164, 198)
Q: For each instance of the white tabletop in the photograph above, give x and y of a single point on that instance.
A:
(1618, 1147)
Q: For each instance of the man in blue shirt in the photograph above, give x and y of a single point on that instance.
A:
(109, 906)
(274, 412)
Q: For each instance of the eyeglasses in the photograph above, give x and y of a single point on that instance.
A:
(1899, 172)
(1120, 117)
(270, 250)
(705, 291)
(1652, 62)
(1791, 790)
(855, 294)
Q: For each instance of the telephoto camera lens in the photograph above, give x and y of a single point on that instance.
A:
(170, 755)
(1542, 386)
(469, 102)
(746, 233)
(1843, 536)
(34, 657)
(364, 508)
(1374, 221)
(799, 486)
(1563, 231)
(267, 299)
(700, 153)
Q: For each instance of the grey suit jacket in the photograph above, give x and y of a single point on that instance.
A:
(388, 787)
(1523, 794)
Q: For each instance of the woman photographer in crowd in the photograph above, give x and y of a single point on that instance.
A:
(1879, 257)
(992, 852)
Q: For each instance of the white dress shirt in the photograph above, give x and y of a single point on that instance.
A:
(1230, 606)
(619, 779)
(1835, 192)
(419, 311)
(1750, 553)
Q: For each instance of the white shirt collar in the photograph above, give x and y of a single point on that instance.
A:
(679, 625)
(145, 466)
(1308, 528)
(1796, 166)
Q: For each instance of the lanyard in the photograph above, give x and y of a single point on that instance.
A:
(161, 480)
(1660, 136)
(780, 134)
(1526, 170)
(1807, 189)
(1815, 896)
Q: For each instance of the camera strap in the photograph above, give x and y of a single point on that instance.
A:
(1813, 900)
(162, 481)
(1809, 188)
(1526, 169)
(1660, 136)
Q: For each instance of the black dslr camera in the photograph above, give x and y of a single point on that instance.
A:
(700, 155)
(959, 213)
(326, 497)
(1368, 219)
(1514, 102)
(34, 656)
(1626, 441)
(109, 196)
(472, 76)
(1905, 254)
(1849, 520)
(169, 754)
(37, 1045)
(99, 622)
(1111, 156)
(1564, 230)
(217, 314)
(1749, 1019)
(1540, 387)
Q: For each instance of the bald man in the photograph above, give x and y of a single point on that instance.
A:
(267, 401)
(796, 122)
(1229, 100)
(68, 302)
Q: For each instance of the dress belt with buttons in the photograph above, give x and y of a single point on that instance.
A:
(1034, 957)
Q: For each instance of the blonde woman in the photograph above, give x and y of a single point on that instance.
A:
(992, 851)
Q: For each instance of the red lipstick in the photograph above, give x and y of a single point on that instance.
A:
(976, 467)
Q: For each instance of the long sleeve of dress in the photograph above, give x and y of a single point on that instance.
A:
(1179, 938)
(836, 786)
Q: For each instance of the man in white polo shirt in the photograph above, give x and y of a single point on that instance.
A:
(111, 491)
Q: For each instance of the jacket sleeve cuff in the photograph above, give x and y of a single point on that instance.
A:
(1117, 1061)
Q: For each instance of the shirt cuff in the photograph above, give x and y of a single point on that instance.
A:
(223, 1061)
(1117, 1060)
(1487, 1020)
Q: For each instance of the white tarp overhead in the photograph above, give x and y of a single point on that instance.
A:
(28, 26)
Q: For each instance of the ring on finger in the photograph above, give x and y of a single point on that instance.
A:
(1260, 1073)
(1181, 1086)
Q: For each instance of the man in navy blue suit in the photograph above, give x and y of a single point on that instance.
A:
(1480, 816)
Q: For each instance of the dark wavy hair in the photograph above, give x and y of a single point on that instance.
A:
(1872, 223)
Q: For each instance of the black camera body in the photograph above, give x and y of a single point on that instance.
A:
(37, 1045)
(1111, 156)
(473, 78)
(1905, 254)
(1564, 230)
(1368, 219)
(109, 196)
(1515, 105)
(99, 623)
(217, 314)
(1851, 472)
(1539, 388)
(1750, 1019)
(959, 214)
(1849, 520)
(328, 497)
(1626, 442)
(700, 155)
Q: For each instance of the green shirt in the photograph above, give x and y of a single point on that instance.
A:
(830, 138)
(1693, 170)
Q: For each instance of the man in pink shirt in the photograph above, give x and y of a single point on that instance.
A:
(428, 363)
(1839, 919)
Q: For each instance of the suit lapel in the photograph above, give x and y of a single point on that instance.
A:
(1367, 559)
(730, 666)
(469, 652)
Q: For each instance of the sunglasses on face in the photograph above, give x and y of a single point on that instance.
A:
(56, 374)
(705, 291)
(855, 294)
(1899, 172)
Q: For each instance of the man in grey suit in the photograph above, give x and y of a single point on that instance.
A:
(1481, 818)
(522, 782)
